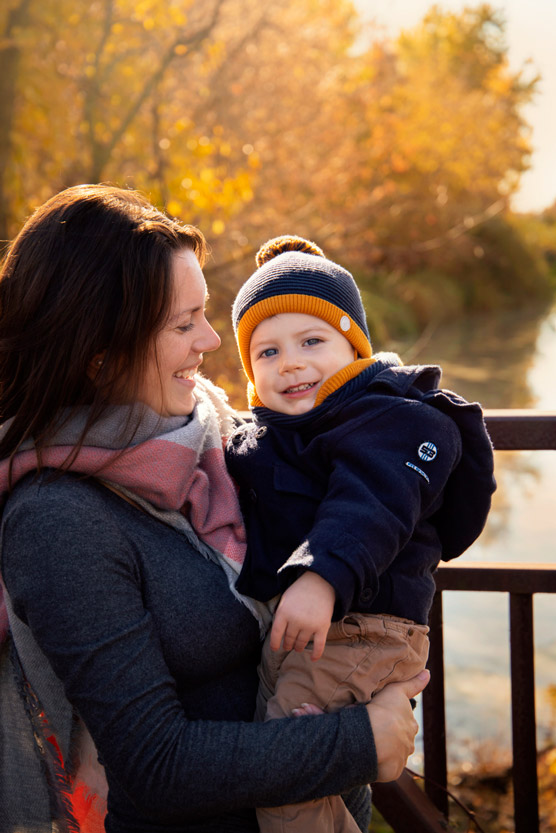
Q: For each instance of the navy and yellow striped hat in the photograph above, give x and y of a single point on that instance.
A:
(293, 275)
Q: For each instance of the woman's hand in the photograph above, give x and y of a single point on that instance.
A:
(392, 721)
(394, 726)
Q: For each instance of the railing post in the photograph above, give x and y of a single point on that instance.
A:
(434, 714)
(524, 740)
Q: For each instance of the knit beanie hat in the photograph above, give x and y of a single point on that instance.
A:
(293, 275)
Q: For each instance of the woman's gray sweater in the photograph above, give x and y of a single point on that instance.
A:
(159, 659)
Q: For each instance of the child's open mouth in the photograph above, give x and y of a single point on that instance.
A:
(300, 388)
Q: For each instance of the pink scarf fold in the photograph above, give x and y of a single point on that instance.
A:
(174, 463)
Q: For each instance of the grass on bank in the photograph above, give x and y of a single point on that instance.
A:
(486, 792)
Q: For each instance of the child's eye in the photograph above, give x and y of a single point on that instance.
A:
(266, 354)
(314, 340)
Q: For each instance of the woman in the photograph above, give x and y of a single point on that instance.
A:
(122, 538)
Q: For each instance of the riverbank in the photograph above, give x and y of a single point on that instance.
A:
(487, 793)
(483, 794)
(501, 265)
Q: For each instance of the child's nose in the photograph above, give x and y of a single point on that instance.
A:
(291, 361)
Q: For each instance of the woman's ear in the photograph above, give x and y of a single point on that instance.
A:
(95, 365)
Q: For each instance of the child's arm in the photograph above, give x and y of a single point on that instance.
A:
(304, 614)
(378, 491)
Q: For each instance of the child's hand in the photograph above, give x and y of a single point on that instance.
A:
(307, 709)
(304, 613)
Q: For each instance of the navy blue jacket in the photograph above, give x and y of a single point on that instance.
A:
(370, 490)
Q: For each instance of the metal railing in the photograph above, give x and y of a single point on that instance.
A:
(403, 804)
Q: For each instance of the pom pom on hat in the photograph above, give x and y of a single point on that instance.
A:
(293, 275)
(286, 243)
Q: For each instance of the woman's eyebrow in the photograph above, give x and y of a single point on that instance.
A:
(189, 310)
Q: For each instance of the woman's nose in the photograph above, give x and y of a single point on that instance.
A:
(208, 339)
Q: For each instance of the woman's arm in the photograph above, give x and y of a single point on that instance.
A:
(394, 726)
(72, 576)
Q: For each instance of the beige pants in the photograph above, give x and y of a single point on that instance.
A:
(363, 653)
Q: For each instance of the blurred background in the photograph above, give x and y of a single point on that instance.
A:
(415, 143)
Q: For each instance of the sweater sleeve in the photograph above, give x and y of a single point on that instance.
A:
(387, 473)
(72, 577)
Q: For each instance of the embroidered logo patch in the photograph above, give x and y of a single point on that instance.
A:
(427, 452)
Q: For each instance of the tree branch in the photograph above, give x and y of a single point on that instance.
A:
(10, 54)
(102, 152)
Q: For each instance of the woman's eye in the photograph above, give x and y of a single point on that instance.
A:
(185, 328)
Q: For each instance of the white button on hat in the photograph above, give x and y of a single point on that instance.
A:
(345, 323)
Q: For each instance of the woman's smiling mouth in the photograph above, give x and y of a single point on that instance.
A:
(186, 374)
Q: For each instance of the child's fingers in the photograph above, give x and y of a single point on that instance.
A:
(319, 641)
(310, 708)
(288, 641)
(276, 634)
(293, 638)
(304, 636)
(300, 642)
(306, 709)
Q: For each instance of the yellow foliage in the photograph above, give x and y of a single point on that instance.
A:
(177, 16)
(272, 119)
(174, 208)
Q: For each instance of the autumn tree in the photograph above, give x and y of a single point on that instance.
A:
(388, 157)
(88, 95)
(252, 119)
(14, 18)
(232, 110)
(425, 138)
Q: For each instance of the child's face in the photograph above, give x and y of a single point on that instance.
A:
(292, 355)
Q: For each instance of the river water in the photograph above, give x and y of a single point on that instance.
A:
(501, 361)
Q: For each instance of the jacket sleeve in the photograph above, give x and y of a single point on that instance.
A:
(73, 579)
(387, 473)
(468, 494)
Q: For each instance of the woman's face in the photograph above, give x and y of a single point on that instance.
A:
(177, 351)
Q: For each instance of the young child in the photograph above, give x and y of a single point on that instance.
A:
(356, 476)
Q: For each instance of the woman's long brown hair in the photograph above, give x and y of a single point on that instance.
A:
(89, 274)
